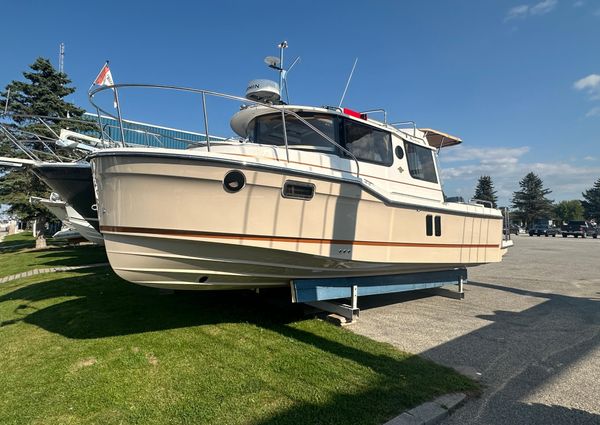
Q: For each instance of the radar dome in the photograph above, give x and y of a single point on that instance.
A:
(263, 91)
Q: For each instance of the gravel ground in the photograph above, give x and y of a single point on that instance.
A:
(528, 327)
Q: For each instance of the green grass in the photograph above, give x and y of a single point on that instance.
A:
(18, 240)
(89, 348)
(16, 261)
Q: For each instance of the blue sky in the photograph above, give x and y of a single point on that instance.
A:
(519, 81)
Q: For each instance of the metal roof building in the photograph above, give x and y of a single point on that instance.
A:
(139, 133)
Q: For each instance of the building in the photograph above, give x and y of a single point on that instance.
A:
(139, 133)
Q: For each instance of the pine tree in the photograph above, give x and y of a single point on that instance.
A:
(591, 202)
(42, 94)
(531, 202)
(485, 190)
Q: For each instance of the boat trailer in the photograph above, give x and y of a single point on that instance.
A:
(320, 293)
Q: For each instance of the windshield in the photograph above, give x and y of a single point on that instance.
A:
(268, 130)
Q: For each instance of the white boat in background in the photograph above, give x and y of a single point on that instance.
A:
(306, 192)
(71, 219)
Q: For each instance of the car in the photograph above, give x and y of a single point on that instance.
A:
(512, 229)
(543, 229)
(578, 228)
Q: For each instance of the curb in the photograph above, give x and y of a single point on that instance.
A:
(35, 272)
(430, 412)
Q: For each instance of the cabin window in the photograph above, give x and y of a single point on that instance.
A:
(429, 225)
(298, 190)
(268, 130)
(438, 225)
(420, 162)
(367, 143)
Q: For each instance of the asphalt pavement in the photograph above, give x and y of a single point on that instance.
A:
(528, 329)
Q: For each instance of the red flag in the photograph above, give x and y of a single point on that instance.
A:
(104, 78)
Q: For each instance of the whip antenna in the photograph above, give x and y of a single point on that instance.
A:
(348, 83)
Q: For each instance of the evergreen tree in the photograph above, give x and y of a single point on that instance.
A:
(485, 190)
(530, 202)
(42, 94)
(591, 202)
(569, 210)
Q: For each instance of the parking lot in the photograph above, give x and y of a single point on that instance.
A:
(528, 328)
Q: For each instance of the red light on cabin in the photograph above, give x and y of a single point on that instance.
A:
(354, 113)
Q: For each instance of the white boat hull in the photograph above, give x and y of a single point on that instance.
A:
(208, 238)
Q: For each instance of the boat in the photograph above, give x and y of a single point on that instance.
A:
(303, 193)
(73, 181)
(71, 218)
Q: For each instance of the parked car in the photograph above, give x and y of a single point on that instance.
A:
(543, 230)
(512, 229)
(578, 228)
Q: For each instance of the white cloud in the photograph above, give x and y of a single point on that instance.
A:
(594, 112)
(578, 3)
(591, 82)
(485, 155)
(517, 12)
(524, 10)
(543, 7)
(506, 168)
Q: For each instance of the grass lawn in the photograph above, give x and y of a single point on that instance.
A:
(18, 240)
(89, 348)
(13, 260)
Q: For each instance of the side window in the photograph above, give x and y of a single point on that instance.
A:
(368, 144)
(420, 162)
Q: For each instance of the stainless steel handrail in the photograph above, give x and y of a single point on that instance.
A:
(281, 108)
(482, 202)
(414, 125)
(381, 110)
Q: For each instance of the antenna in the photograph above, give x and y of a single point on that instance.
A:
(282, 45)
(276, 63)
(348, 83)
(61, 58)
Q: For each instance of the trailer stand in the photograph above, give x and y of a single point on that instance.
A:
(324, 293)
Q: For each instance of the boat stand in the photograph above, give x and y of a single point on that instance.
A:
(324, 293)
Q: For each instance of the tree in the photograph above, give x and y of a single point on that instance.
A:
(485, 190)
(568, 210)
(531, 202)
(591, 202)
(42, 94)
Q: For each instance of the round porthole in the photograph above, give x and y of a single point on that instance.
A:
(399, 152)
(234, 181)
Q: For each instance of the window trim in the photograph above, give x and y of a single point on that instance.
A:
(343, 138)
(289, 183)
(253, 125)
(435, 168)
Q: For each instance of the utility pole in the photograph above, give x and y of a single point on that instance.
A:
(61, 58)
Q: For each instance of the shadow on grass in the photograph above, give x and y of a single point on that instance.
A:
(102, 305)
(71, 256)
(12, 246)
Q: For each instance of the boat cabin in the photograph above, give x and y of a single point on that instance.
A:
(399, 160)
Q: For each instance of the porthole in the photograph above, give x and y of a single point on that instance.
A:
(399, 152)
(234, 181)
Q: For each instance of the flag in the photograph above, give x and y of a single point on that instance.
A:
(104, 78)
